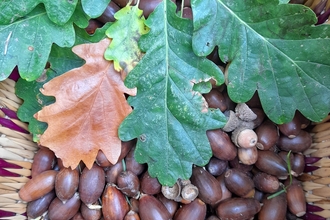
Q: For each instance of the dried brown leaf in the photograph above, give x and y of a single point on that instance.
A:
(90, 105)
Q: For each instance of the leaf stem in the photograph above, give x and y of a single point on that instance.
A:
(124, 164)
(181, 11)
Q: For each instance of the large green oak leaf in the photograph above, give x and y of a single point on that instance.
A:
(271, 48)
(170, 119)
(27, 42)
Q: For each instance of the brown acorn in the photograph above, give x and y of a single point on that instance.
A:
(37, 207)
(215, 99)
(132, 165)
(114, 204)
(247, 156)
(208, 186)
(244, 137)
(238, 208)
(149, 185)
(296, 197)
(94, 213)
(268, 135)
(225, 192)
(38, 186)
(212, 217)
(216, 166)
(59, 211)
(128, 183)
(131, 215)
(235, 163)
(66, 183)
(298, 144)
(195, 210)
(172, 192)
(269, 162)
(189, 192)
(113, 172)
(43, 160)
(150, 208)
(170, 204)
(292, 128)
(109, 12)
(239, 183)
(102, 160)
(148, 6)
(298, 164)
(266, 183)
(91, 184)
(221, 145)
(273, 208)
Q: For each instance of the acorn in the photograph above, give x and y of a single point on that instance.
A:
(292, 128)
(149, 185)
(66, 183)
(273, 208)
(238, 208)
(266, 183)
(109, 12)
(94, 213)
(132, 165)
(298, 144)
(226, 193)
(247, 156)
(37, 207)
(131, 215)
(128, 183)
(91, 184)
(102, 160)
(114, 204)
(235, 163)
(244, 137)
(212, 217)
(268, 135)
(296, 197)
(43, 160)
(38, 186)
(269, 162)
(221, 145)
(239, 183)
(113, 172)
(77, 216)
(215, 99)
(150, 208)
(216, 166)
(170, 204)
(195, 210)
(59, 211)
(208, 186)
(298, 164)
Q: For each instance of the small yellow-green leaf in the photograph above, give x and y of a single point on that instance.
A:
(125, 33)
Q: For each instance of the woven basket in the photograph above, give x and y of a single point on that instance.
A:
(316, 178)
(16, 155)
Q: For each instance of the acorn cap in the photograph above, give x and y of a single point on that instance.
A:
(232, 121)
(244, 112)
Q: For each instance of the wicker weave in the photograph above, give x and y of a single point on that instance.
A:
(316, 183)
(18, 150)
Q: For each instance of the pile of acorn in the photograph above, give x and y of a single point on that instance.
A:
(252, 174)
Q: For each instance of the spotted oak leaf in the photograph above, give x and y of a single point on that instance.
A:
(90, 105)
(125, 33)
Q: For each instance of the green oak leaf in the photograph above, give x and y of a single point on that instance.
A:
(271, 48)
(125, 33)
(61, 60)
(27, 43)
(58, 12)
(170, 119)
(94, 8)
